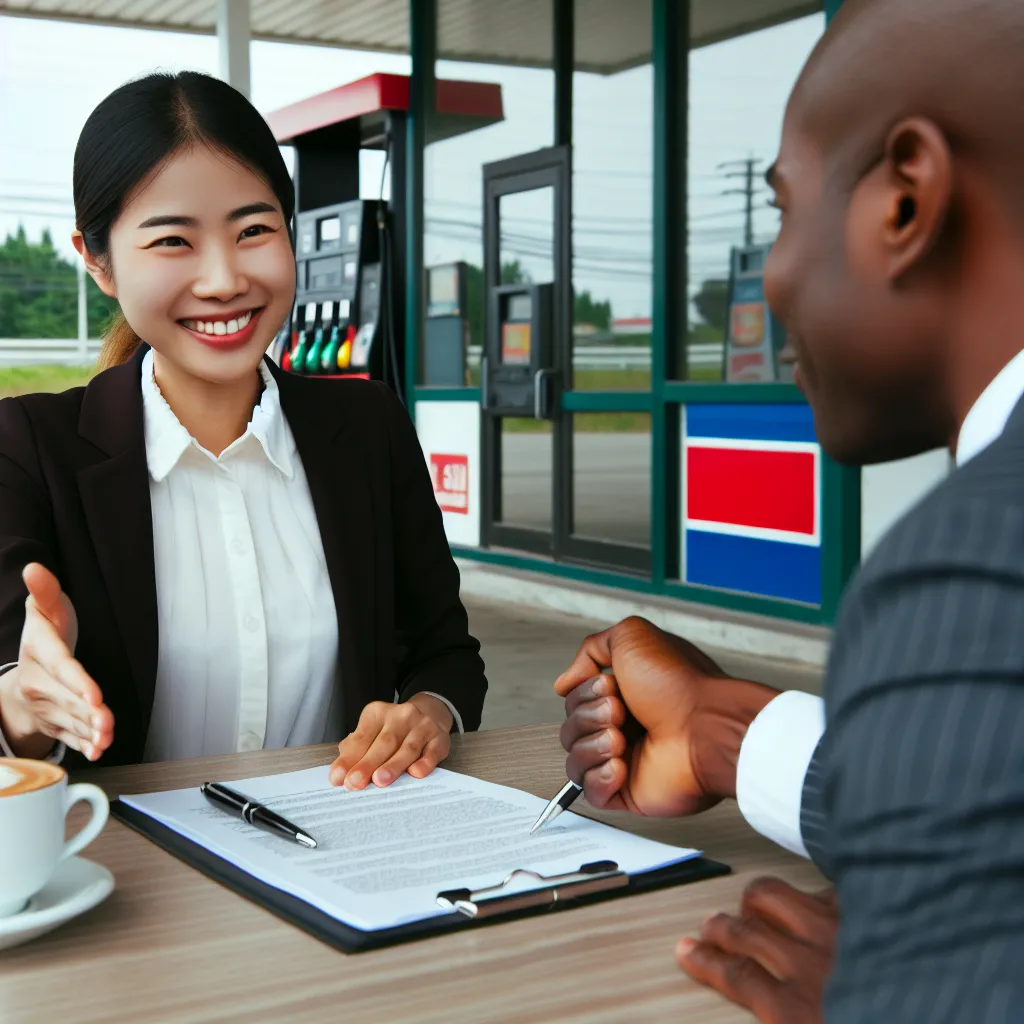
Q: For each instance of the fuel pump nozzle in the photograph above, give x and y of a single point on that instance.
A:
(309, 325)
(315, 354)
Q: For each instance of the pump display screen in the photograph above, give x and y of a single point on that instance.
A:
(443, 291)
(330, 229)
(515, 343)
(520, 307)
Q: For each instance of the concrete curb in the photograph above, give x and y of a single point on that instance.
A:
(705, 626)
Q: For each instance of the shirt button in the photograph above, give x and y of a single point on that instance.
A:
(252, 623)
(237, 546)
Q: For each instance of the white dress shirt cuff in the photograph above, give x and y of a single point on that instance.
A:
(774, 758)
(54, 757)
(449, 705)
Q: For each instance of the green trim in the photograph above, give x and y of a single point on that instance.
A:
(423, 51)
(686, 393)
(832, 9)
(670, 58)
(607, 401)
(447, 394)
(840, 530)
(640, 585)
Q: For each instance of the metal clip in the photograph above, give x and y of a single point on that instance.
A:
(599, 876)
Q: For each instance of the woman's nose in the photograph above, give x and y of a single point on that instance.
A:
(220, 277)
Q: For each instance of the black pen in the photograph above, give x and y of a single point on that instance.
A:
(254, 813)
(564, 798)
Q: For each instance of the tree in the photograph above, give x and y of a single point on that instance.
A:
(587, 311)
(712, 304)
(39, 292)
(513, 272)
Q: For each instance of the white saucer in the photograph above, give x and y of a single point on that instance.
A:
(77, 885)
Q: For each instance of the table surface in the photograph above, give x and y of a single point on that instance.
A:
(170, 945)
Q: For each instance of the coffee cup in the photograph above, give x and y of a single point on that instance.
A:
(34, 801)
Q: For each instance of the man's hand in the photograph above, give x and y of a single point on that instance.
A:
(774, 958)
(661, 735)
(390, 739)
(49, 696)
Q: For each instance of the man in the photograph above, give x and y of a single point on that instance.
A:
(899, 275)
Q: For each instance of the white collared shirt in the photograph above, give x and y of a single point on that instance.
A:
(248, 650)
(247, 626)
(777, 749)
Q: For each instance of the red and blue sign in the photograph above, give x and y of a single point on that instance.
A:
(752, 500)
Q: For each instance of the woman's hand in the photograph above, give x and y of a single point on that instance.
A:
(49, 696)
(390, 739)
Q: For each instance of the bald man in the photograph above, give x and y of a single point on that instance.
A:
(899, 275)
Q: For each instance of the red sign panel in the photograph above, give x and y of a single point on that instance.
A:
(741, 487)
(450, 477)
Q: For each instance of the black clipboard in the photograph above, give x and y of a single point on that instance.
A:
(592, 884)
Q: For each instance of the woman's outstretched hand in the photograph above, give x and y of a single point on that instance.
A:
(49, 696)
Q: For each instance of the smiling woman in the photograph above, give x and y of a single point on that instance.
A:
(176, 521)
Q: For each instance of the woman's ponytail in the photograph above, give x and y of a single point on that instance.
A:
(120, 343)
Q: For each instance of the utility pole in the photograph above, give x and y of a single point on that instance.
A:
(744, 169)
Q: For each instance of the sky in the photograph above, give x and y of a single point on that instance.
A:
(52, 74)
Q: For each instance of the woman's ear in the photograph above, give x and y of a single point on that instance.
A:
(104, 280)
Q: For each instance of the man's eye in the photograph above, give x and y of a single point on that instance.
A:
(255, 230)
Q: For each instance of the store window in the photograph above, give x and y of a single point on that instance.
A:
(488, 41)
(612, 196)
(738, 93)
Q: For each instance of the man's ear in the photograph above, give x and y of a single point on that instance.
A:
(919, 179)
(103, 278)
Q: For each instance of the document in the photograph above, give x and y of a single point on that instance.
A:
(383, 855)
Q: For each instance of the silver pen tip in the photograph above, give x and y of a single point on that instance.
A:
(308, 841)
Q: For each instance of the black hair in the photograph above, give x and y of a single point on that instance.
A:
(134, 130)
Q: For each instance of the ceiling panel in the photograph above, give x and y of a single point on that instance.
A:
(610, 34)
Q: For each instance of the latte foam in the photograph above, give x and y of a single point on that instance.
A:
(22, 775)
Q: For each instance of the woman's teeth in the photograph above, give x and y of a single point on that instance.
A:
(219, 326)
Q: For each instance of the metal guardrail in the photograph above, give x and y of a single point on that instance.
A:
(48, 351)
(626, 357)
(71, 352)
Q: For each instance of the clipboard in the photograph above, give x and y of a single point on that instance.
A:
(593, 883)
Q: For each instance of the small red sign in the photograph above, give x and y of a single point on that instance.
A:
(450, 477)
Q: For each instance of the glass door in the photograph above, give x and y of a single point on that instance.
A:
(526, 260)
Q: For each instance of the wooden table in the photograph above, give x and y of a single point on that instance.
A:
(169, 945)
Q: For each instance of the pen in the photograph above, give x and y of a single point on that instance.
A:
(562, 801)
(254, 813)
(564, 798)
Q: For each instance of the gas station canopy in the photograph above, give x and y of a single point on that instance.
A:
(610, 35)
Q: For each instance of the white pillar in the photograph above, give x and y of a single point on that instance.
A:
(233, 43)
(83, 317)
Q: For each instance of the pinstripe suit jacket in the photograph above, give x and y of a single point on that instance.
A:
(914, 800)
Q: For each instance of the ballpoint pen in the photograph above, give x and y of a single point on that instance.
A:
(564, 798)
(254, 813)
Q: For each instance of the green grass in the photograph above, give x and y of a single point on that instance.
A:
(26, 380)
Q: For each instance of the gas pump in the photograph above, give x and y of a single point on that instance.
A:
(337, 248)
(446, 336)
(350, 251)
(755, 339)
(517, 370)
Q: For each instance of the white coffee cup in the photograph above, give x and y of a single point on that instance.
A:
(34, 800)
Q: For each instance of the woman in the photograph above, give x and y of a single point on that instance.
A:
(218, 556)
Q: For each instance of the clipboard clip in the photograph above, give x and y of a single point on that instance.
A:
(598, 876)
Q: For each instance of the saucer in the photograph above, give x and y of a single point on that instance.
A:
(77, 885)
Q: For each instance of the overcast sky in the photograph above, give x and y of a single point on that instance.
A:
(53, 74)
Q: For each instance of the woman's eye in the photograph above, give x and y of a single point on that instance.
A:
(171, 242)
(255, 230)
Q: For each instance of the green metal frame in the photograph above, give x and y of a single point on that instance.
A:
(841, 497)
(422, 90)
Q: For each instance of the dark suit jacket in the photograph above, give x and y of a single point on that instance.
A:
(914, 802)
(74, 495)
